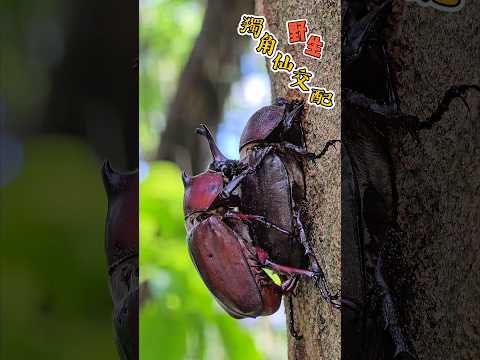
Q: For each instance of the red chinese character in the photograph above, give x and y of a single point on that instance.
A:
(314, 46)
(297, 30)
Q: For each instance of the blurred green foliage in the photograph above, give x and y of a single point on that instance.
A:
(180, 319)
(168, 29)
(19, 19)
(54, 287)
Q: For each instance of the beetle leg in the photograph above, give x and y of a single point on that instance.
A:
(286, 146)
(288, 270)
(262, 257)
(326, 147)
(360, 100)
(413, 122)
(283, 269)
(401, 343)
(349, 304)
(229, 188)
(260, 219)
(289, 285)
(291, 322)
(451, 94)
(235, 182)
(319, 274)
(303, 240)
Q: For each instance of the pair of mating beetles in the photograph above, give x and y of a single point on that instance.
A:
(243, 216)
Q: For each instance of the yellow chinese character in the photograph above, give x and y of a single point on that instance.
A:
(301, 76)
(282, 62)
(251, 25)
(267, 44)
(322, 97)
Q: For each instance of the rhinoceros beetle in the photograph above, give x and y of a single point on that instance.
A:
(220, 244)
(220, 219)
(275, 134)
(271, 147)
(371, 115)
(121, 245)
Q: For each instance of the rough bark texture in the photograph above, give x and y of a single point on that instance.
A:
(313, 318)
(435, 269)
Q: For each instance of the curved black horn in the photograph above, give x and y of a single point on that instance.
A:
(110, 175)
(216, 153)
(185, 178)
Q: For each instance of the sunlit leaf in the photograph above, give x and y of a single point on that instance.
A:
(55, 281)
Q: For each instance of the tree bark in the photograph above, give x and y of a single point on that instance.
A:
(313, 318)
(435, 268)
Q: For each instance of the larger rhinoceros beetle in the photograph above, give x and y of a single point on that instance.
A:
(371, 115)
(121, 245)
(233, 232)
(220, 245)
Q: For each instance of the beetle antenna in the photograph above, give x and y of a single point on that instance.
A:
(216, 153)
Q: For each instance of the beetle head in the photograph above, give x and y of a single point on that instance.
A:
(121, 245)
(272, 123)
(116, 182)
(201, 191)
(122, 218)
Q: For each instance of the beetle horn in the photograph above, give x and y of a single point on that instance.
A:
(110, 176)
(185, 178)
(107, 169)
(216, 153)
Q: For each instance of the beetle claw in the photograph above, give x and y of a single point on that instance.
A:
(325, 293)
(201, 131)
(280, 101)
(329, 143)
(311, 156)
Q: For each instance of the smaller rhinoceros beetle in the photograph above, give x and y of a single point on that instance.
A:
(220, 245)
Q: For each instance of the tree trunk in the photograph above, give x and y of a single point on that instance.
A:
(313, 318)
(436, 265)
